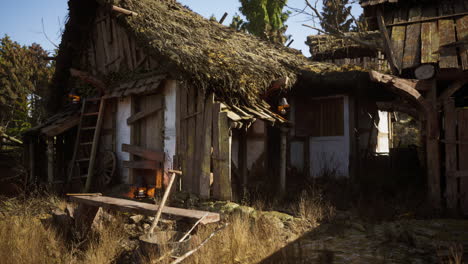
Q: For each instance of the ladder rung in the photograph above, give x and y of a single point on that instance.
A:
(91, 114)
(86, 143)
(88, 128)
(82, 160)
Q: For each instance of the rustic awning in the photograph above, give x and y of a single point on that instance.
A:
(142, 86)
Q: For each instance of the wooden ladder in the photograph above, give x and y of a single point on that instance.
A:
(87, 140)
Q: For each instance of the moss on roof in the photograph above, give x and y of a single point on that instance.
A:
(235, 65)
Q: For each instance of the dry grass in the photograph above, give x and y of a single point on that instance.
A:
(313, 208)
(247, 238)
(27, 238)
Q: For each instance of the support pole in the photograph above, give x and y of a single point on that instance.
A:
(242, 157)
(283, 152)
(433, 148)
(50, 160)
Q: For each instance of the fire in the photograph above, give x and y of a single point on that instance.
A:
(151, 192)
(131, 192)
(140, 192)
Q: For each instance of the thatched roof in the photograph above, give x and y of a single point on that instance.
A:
(238, 67)
(235, 65)
(324, 47)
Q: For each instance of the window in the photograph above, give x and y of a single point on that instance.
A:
(319, 117)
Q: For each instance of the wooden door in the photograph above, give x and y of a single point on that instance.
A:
(456, 156)
(147, 141)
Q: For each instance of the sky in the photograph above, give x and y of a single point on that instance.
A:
(29, 21)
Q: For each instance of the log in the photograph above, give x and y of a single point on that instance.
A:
(424, 72)
(123, 11)
(143, 208)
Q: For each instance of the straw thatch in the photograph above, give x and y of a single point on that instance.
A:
(237, 66)
(323, 47)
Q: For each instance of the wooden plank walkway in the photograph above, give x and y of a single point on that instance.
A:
(130, 206)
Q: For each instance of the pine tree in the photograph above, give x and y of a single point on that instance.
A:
(24, 79)
(335, 15)
(265, 19)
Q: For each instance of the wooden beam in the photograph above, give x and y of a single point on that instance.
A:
(404, 86)
(433, 148)
(427, 19)
(143, 114)
(145, 153)
(205, 147)
(387, 43)
(88, 78)
(143, 208)
(123, 11)
(141, 164)
(449, 91)
(457, 174)
(399, 106)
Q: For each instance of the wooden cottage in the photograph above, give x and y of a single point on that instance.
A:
(425, 43)
(148, 86)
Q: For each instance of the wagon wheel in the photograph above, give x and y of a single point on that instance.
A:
(105, 168)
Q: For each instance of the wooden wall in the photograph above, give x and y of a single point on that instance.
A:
(456, 156)
(203, 144)
(112, 49)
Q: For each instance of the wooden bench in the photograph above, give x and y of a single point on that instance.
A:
(130, 206)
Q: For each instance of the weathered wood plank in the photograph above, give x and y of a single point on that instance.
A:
(199, 144)
(412, 52)
(433, 148)
(448, 55)
(205, 168)
(141, 164)
(462, 34)
(398, 37)
(145, 153)
(429, 37)
(450, 152)
(183, 137)
(215, 160)
(191, 141)
(388, 46)
(224, 157)
(462, 117)
(145, 113)
(143, 208)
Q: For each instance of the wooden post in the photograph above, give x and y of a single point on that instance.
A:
(50, 160)
(433, 148)
(32, 157)
(242, 158)
(283, 155)
(205, 148)
(451, 191)
(222, 141)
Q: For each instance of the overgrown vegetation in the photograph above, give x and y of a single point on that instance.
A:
(24, 78)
